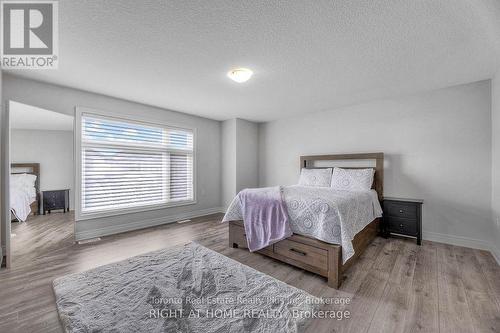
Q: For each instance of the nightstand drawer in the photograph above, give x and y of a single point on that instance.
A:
(401, 225)
(396, 209)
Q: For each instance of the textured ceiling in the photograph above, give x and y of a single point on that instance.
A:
(306, 55)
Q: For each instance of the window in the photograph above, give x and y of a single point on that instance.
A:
(126, 164)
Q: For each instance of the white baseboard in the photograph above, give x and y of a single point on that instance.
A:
(116, 229)
(456, 240)
(462, 241)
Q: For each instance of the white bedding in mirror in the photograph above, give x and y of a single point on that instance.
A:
(22, 195)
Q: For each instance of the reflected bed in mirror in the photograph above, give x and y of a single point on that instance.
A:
(24, 190)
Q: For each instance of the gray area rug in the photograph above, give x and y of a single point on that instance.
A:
(184, 289)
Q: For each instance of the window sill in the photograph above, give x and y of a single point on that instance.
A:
(90, 216)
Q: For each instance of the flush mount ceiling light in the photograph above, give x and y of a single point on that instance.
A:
(240, 75)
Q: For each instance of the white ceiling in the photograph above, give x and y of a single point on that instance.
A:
(23, 116)
(306, 55)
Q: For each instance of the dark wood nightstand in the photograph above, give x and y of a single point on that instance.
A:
(403, 217)
(58, 199)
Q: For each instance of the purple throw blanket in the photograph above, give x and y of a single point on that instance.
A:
(265, 216)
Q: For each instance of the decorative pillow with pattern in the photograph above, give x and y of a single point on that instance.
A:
(315, 177)
(352, 179)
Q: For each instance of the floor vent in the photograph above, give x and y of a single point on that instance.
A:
(87, 241)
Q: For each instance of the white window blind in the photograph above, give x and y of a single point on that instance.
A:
(127, 164)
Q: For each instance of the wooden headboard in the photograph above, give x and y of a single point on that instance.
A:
(310, 162)
(29, 168)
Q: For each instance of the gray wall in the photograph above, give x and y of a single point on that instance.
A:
(247, 154)
(228, 167)
(53, 150)
(495, 166)
(437, 146)
(239, 157)
(208, 149)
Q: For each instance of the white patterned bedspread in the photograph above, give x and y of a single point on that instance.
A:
(20, 201)
(329, 215)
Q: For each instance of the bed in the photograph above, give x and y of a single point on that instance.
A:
(311, 248)
(24, 190)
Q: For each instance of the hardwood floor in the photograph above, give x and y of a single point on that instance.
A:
(396, 286)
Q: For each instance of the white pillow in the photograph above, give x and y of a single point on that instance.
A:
(315, 177)
(352, 179)
(24, 181)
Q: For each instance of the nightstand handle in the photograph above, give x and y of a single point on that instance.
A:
(401, 211)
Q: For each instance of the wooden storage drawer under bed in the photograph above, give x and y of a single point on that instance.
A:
(304, 253)
(307, 253)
